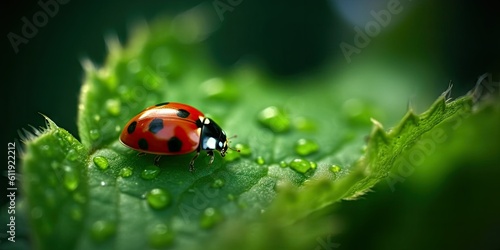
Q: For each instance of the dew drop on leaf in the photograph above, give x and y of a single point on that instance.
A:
(305, 147)
(113, 107)
(71, 178)
(158, 198)
(260, 160)
(283, 164)
(94, 134)
(210, 217)
(101, 162)
(150, 172)
(160, 236)
(335, 169)
(102, 230)
(72, 155)
(275, 119)
(313, 164)
(126, 172)
(301, 165)
(218, 183)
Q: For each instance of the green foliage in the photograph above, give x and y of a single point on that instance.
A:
(300, 155)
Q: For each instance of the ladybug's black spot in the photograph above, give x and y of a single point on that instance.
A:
(174, 144)
(161, 104)
(143, 144)
(156, 125)
(182, 113)
(131, 127)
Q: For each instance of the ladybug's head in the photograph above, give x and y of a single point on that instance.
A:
(213, 137)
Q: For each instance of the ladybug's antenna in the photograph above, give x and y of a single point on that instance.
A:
(234, 149)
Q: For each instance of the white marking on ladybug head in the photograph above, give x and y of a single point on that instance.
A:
(221, 144)
(211, 143)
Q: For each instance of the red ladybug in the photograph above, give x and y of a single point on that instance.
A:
(172, 128)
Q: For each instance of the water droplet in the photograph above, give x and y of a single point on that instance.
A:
(71, 178)
(304, 124)
(102, 230)
(300, 165)
(305, 147)
(313, 164)
(210, 217)
(158, 198)
(94, 134)
(72, 155)
(260, 160)
(160, 236)
(113, 106)
(275, 119)
(283, 164)
(101, 162)
(103, 183)
(126, 172)
(218, 183)
(150, 172)
(335, 168)
(244, 149)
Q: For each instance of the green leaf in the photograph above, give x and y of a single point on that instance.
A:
(56, 187)
(301, 152)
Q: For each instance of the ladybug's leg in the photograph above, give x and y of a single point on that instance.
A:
(211, 154)
(157, 160)
(141, 154)
(191, 164)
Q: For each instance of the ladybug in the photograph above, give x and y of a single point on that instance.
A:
(172, 128)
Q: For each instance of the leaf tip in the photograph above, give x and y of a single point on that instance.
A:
(378, 133)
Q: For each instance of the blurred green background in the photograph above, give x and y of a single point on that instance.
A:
(434, 42)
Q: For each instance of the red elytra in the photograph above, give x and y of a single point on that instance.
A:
(172, 128)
